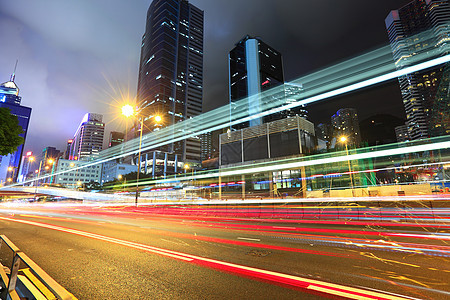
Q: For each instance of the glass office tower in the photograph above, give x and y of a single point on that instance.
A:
(170, 83)
(425, 93)
(9, 98)
(254, 67)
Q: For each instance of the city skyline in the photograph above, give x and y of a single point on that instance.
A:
(82, 74)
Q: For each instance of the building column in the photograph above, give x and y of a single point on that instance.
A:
(165, 164)
(153, 164)
(146, 163)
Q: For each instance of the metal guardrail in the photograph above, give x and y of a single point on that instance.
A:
(45, 284)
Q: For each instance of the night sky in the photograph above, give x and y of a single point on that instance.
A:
(83, 56)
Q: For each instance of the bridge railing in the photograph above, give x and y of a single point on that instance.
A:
(37, 280)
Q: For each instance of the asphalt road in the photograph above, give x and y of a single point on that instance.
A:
(122, 253)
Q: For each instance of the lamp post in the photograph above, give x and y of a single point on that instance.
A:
(11, 170)
(49, 161)
(30, 161)
(344, 140)
(128, 111)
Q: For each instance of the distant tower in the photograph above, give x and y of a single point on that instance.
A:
(206, 140)
(425, 93)
(345, 123)
(9, 98)
(254, 67)
(88, 139)
(170, 80)
(401, 133)
(67, 151)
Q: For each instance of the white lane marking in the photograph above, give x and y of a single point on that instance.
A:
(249, 239)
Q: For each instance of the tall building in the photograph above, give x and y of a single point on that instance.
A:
(254, 67)
(116, 138)
(67, 151)
(345, 123)
(88, 139)
(79, 176)
(9, 98)
(425, 93)
(401, 133)
(170, 81)
(48, 161)
(207, 148)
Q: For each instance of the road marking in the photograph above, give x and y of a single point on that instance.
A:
(305, 283)
(248, 239)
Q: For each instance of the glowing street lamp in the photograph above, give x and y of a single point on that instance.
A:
(128, 111)
(11, 170)
(343, 139)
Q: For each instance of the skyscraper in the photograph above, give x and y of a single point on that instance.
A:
(254, 67)
(67, 153)
(88, 139)
(425, 93)
(207, 148)
(345, 123)
(170, 80)
(9, 98)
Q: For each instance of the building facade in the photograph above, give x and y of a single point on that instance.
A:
(401, 133)
(9, 98)
(345, 123)
(170, 83)
(112, 170)
(67, 153)
(116, 138)
(282, 138)
(253, 67)
(206, 146)
(74, 175)
(425, 93)
(88, 139)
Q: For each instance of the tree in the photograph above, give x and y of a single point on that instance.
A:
(9, 132)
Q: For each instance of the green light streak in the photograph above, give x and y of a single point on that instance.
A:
(363, 71)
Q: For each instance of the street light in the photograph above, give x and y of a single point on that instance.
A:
(38, 171)
(343, 139)
(11, 170)
(128, 111)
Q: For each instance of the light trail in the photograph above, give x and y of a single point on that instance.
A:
(357, 73)
(272, 276)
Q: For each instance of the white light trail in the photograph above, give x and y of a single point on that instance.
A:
(355, 74)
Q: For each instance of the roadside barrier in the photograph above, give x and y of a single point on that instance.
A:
(26, 280)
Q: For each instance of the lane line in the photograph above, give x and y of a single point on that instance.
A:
(249, 239)
(304, 283)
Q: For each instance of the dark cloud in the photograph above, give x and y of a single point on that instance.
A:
(81, 56)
